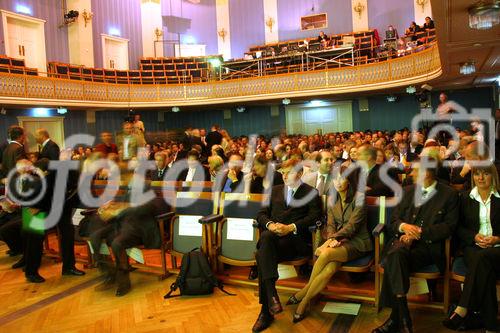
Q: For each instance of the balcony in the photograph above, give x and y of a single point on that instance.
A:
(414, 68)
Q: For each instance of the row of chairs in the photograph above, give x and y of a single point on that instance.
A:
(176, 60)
(9, 61)
(174, 66)
(82, 73)
(15, 66)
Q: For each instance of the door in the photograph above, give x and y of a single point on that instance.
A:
(54, 125)
(115, 52)
(334, 117)
(25, 39)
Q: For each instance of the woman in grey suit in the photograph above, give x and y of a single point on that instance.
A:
(346, 239)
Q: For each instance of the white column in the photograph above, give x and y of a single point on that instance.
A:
(224, 44)
(421, 14)
(271, 16)
(80, 38)
(359, 22)
(150, 21)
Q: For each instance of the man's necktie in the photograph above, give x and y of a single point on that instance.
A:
(289, 196)
(321, 185)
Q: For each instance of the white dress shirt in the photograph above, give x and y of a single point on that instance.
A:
(485, 228)
(190, 174)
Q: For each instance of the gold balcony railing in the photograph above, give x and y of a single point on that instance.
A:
(40, 90)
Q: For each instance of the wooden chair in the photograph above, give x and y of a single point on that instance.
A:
(194, 204)
(236, 252)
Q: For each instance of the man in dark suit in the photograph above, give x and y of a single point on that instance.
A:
(26, 185)
(374, 185)
(47, 148)
(14, 151)
(131, 227)
(3, 145)
(213, 138)
(293, 208)
(422, 221)
(192, 170)
(161, 161)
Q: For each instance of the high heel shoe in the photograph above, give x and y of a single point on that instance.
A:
(292, 300)
(298, 317)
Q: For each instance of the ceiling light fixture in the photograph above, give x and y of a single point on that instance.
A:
(467, 68)
(484, 15)
(240, 109)
(175, 109)
(285, 101)
(411, 90)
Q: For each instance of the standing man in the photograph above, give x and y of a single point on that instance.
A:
(14, 150)
(285, 221)
(49, 150)
(128, 143)
(106, 146)
(46, 147)
(213, 138)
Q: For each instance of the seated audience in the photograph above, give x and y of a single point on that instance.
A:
(106, 146)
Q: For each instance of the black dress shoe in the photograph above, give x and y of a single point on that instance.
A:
(73, 271)
(264, 321)
(275, 306)
(254, 274)
(297, 317)
(405, 326)
(123, 281)
(13, 253)
(19, 264)
(455, 322)
(292, 300)
(35, 278)
(390, 326)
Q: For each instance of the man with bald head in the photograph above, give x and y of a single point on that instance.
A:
(47, 148)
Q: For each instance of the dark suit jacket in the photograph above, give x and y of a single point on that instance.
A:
(140, 221)
(378, 188)
(50, 151)
(201, 174)
(12, 153)
(303, 216)
(437, 217)
(3, 145)
(468, 224)
(154, 175)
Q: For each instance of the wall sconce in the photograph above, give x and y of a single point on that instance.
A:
(87, 17)
(270, 23)
(158, 34)
(222, 34)
(359, 8)
(422, 4)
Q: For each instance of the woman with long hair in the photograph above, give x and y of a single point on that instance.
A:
(347, 238)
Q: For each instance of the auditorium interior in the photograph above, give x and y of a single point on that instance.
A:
(230, 166)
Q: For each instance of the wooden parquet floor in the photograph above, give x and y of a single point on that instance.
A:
(70, 304)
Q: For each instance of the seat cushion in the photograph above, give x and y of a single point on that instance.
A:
(459, 267)
(359, 262)
(429, 269)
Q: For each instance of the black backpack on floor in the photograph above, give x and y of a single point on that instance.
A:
(195, 276)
